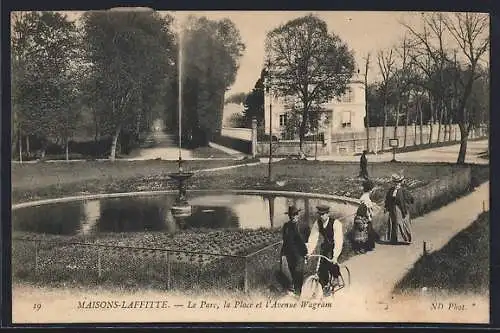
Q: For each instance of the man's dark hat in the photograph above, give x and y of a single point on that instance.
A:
(323, 209)
(293, 210)
(368, 185)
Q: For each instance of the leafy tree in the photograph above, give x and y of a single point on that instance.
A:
(211, 53)
(44, 85)
(254, 103)
(306, 61)
(130, 54)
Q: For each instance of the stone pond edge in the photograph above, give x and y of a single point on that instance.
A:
(151, 193)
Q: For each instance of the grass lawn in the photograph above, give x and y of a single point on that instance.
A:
(31, 181)
(461, 266)
(209, 152)
(51, 180)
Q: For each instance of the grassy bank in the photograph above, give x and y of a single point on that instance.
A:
(461, 266)
(52, 180)
(33, 181)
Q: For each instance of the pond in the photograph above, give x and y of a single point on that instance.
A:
(152, 213)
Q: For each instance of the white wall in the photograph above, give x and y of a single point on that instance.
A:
(238, 133)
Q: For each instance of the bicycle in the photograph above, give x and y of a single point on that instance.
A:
(311, 288)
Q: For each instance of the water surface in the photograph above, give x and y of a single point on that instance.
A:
(152, 214)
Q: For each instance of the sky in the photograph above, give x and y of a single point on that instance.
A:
(363, 31)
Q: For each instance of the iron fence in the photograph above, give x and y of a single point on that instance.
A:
(60, 262)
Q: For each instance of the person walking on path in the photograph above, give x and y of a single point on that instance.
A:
(330, 230)
(397, 203)
(363, 164)
(293, 250)
(363, 233)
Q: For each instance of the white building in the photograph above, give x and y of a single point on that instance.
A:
(344, 114)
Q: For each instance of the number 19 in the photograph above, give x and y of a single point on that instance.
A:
(37, 306)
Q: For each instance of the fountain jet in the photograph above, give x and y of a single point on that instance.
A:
(181, 207)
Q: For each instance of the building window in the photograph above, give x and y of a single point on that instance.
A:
(348, 97)
(346, 119)
(283, 119)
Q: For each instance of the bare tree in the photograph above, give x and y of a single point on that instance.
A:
(430, 55)
(367, 66)
(386, 65)
(403, 82)
(470, 31)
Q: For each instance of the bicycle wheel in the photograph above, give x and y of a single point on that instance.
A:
(344, 279)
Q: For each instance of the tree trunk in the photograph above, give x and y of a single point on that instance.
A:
(383, 128)
(20, 147)
(27, 145)
(421, 123)
(406, 123)
(302, 128)
(415, 133)
(449, 126)
(431, 122)
(112, 155)
(406, 129)
(398, 107)
(463, 144)
(96, 124)
(44, 149)
(67, 149)
(441, 113)
(367, 131)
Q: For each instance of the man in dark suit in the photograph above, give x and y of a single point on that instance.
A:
(363, 164)
(294, 250)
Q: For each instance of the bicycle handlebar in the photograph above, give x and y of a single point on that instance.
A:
(321, 256)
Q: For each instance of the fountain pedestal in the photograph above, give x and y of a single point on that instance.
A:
(181, 207)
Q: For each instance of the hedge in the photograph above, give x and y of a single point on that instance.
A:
(243, 146)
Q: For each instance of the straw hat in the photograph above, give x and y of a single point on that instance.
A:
(397, 178)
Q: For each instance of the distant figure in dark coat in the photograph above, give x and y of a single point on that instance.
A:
(294, 250)
(363, 163)
(397, 203)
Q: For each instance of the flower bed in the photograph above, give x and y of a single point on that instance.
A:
(203, 258)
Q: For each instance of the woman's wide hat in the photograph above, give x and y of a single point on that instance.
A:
(397, 178)
(293, 210)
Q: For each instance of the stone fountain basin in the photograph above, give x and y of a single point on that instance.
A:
(223, 222)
